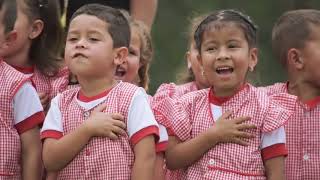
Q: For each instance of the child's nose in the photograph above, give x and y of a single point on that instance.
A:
(81, 44)
(223, 54)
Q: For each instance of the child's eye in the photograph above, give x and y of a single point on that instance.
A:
(132, 52)
(211, 49)
(93, 39)
(72, 39)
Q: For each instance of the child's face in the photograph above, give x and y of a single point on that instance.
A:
(128, 71)
(89, 48)
(193, 63)
(226, 56)
(2, 34)
(310, 55)
(25, 32)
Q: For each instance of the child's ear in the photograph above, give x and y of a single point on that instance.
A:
(253, 58)
(294, 59)
(36, 29)
(121, 54)
(10, 38)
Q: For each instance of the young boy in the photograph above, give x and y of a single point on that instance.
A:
(20, 113)
(296, 43)
(77, 122)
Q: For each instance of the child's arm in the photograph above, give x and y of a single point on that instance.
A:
(57, 153)
(159, 173)
(28, 114)
(145, 156)
(273, 153)
(182, 154)
(31, 154)
(275, 168)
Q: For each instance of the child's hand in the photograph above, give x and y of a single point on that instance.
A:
(105, 125)
(44, 99)
(232, 130)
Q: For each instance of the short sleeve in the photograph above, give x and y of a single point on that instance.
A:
(52, 126)
(173, 114)
(141, 121)
(281, 107)
(161, 146)
(28, 111)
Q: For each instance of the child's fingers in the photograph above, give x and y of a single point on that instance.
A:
(112, 136)
(119, 124)
(41, 95)
(242, 119)
(117, 116)
(246, 135)
(117, 130)
(246, 126)
(225, 115)
(100, 108)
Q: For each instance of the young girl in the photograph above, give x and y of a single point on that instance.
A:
(136, 70)
(193, 79)
(226, 41)
(37, 50)
(80, 119)
(20, 113)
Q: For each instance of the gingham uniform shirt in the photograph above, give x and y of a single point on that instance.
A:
(174, 91)
(303, 138)
(11, 82)
(101, 158)
(45, 84)
(192, 115)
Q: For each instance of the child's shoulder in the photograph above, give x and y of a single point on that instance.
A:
(195, 96)
(275, 88)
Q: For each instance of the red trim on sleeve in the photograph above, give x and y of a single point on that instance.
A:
(51, 134)
(162, 146)
(273, 151)
(145, 132)
(29, 123)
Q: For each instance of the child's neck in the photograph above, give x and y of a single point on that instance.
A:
(90, 87)
(305, 91)
(19, 59)
(226, 92)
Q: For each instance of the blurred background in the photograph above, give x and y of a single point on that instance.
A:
(169, 33)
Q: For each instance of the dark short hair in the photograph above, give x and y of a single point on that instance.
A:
(9, 15)
(292, 30)
(118, 26)
(229, 15)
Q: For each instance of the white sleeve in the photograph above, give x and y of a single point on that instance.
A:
(141, 121)
(26, 103)
(52, 126)
(277, 136)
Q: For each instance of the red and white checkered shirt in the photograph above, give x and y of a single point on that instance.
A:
(174, 91)
(303, 138)
(50, 85)
(192, 115)
(101, 158)
(11, 82)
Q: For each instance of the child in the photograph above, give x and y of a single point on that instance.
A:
(192, 80)
(136, 70)
(20, 113)
(226, 41)
(37, 50)
(295, 40)
(77, 120)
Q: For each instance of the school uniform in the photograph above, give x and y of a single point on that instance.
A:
(174, 91)
(20, 111)
(303, 137)
(50, 85)
(197, 111)
(102, 158)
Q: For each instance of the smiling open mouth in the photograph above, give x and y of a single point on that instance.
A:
(120, 72)
(224, 70)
